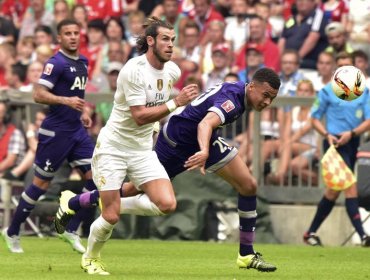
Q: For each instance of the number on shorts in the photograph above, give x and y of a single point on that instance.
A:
(222, 144)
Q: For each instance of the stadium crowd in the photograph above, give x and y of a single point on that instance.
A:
(216, 40)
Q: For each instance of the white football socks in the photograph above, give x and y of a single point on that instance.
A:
(100, 231)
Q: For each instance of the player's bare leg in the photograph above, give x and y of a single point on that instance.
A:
(237, 174)
(158, 199)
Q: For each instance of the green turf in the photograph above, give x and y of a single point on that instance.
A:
(50, 258)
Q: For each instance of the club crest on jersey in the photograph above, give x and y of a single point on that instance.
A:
(228, 106)
(159, 84)
(48, 68)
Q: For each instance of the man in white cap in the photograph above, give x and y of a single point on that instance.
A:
(337, 38)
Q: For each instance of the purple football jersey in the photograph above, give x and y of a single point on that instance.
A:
(227, 100)
(64, 75)
(177, 140)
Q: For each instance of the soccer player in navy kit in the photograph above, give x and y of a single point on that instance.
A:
(190, 140)
(62, 135)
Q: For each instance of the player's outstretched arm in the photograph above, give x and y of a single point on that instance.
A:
(42, 95)
(144, 115)
(205, 128)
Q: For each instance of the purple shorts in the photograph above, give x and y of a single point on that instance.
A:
(56, 146)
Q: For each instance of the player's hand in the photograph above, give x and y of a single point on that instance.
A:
(186, 95)
(198, 160)
(86, 120)
(76, 103)
(344, 138)
(332, 140)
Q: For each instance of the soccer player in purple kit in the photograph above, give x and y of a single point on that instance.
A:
(190, 140)
(62, 135)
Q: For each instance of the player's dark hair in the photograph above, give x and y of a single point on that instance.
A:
(151, 26)
(267, 75)
(64, 22)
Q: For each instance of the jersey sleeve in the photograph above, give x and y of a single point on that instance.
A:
(367, 104)
(53, 69)
(320, 104)
(226, 107)
(134, 86)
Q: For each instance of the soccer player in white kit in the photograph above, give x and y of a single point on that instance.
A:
(124, 145)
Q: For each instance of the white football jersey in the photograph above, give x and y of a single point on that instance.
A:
(138, 83)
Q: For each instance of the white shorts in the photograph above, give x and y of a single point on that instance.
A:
(111, 163)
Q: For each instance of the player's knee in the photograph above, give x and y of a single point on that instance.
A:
(249, 187)
(167, 206)
(111, 217)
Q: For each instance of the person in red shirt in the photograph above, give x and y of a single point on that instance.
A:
(258, 37)
(102, 9)
(95, 33)
(204, 13)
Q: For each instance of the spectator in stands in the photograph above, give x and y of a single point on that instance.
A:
(96, 40)
(254, 58)
(115, 31)
(18, 172)
(231, 77)
(204, 14)
(43, 53)
(102, 9)
(25, 50)
(171, 14)
(345, 122)
(8, 31)
(276, 19)
(359, 25)
(220, 66)
(325, 69)
(335, 11)
(298, 146)
(237, 27)
(79, 13)
(44, 36)
(15, 11)
(34, 71)
(12, 143)
(36, 15)
(60, 11)
(8, 57)
(135, 23)
(216, 30)
(337, 38)
(258, 35)
(290, 74)
(191, 49)
(361, 61)
(104, 109)
(304, 32)
(16, 76)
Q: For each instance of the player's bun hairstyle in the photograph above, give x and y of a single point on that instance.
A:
(267, 75)
(151, 26)
(64, 22)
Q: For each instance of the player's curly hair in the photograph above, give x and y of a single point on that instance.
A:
(151, 26)
(267, 75)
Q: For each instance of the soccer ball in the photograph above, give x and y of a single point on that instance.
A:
(348, 83)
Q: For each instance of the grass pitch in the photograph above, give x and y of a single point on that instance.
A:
(50, 258)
